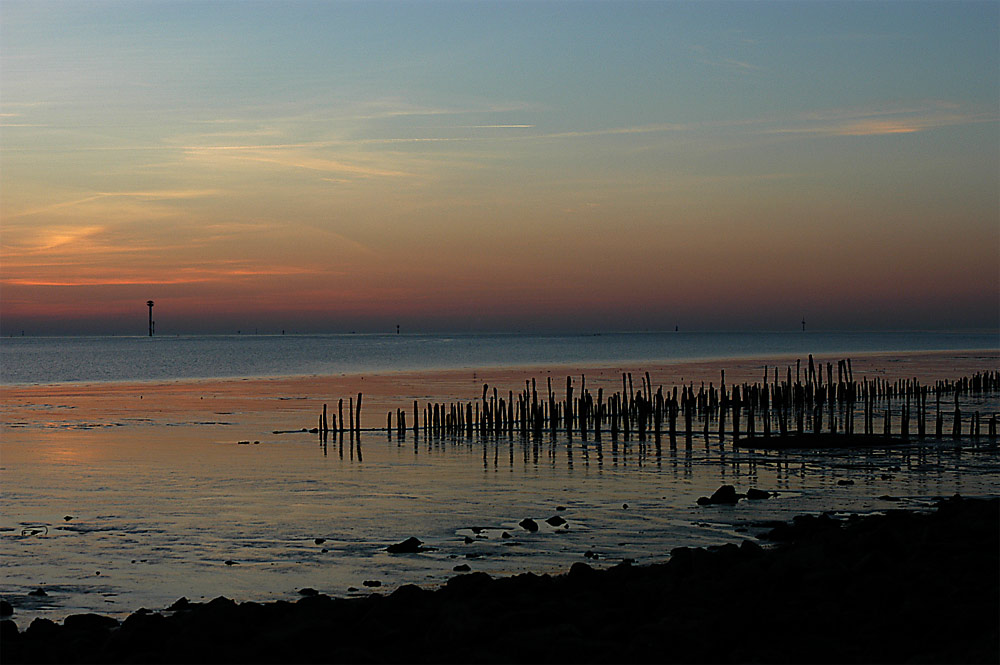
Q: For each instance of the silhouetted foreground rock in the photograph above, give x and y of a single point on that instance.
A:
(895, 588)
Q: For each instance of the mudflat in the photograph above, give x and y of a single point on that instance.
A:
(905, 586)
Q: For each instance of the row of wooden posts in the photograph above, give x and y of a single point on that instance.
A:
(780, 406)
(353, 415)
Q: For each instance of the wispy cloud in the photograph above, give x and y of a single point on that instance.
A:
(150, 195)
(881, 121)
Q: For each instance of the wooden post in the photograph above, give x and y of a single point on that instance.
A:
(358, 417)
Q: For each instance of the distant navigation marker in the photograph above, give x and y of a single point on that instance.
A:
(397, 328)
(149, 304)
(803, 324)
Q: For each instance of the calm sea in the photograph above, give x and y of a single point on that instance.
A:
(33, 360)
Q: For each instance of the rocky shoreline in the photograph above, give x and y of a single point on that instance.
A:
(899, 587)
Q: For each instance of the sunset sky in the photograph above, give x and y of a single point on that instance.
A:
(570, 166)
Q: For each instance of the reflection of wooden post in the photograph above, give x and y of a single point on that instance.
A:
(149, 304)
(358, 416)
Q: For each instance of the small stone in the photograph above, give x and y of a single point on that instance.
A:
(624, 506)
(319, 541)
(308, 591)
(462, 568)
(68, 518)
(408, 546)
(352, 589)
(756, 495)
(560, 507)
(555, 520)
(886, 497)
(372, 583)
(704, 501)
(230, 562)
(468, 541)
(528, 524)
(38, 592)
(845, 482)
(590, 554)
(505, 535)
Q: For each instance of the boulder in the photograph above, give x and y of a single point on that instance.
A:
(528, 524)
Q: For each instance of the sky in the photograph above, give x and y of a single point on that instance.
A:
(498, 166)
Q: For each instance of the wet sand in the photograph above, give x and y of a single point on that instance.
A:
(281, 403)
(900, 587)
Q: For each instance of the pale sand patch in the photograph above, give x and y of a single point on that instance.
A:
(295, 402)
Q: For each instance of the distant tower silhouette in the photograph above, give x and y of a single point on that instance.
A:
(149, 304)
(803, 324)
(397, 328)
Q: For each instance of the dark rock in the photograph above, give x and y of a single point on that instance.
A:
(220, 603)
(472, 584)
(505, 535)
(68, 518)
(37, 592)
(625, 506)
(139, 622)
(845, 482)
(230, 562)
(590, 554)
(560, 507)
(6, 609)
(372, 583)
(408, 592)
(756, 495)
(886, 497)
(181, 603)
(309, 591)
(528, 524)
(89, 622)
(42, 629)
(886, 476)
(725, 494)
(324, 550)
(462, 568)
(555, 520)
(580, 570)
(409, 546)
(468, 541)
(478, 529)
(704, 501)
(8, 632)
(352, 589)
(319, 541)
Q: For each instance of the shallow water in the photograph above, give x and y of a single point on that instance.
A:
(157, 512)
(161, 495)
